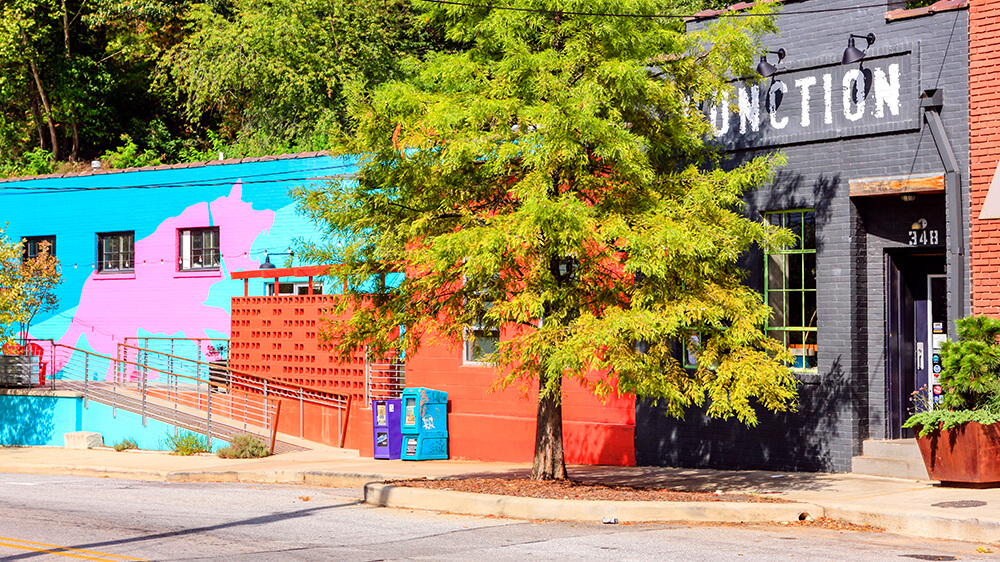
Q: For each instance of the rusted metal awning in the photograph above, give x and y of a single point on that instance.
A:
(869, 187)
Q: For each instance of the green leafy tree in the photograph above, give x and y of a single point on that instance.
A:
(29, 287)
(274, 74)
(10, 290)
(553, 180)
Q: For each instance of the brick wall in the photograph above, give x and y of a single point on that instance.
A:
(845, 402)
(984, 129)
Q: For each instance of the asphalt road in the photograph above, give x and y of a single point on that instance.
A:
(61, 518)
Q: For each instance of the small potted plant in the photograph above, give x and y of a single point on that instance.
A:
(959, 438)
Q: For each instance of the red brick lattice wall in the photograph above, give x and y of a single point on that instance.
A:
(984, 146)
(278, 338)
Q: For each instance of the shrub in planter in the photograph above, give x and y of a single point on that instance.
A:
(958, 438)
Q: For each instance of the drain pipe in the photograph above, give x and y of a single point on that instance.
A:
(932, 102)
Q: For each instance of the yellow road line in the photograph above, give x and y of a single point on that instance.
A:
(62, 550)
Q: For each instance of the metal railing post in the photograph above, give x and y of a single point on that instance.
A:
(86, 377)
(208, 418)
(142, 383)
(302, 409)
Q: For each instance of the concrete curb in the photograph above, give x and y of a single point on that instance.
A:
(386, 495)
(913, 524)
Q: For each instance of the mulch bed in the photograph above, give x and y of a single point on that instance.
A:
(568, 489)
(572, 490)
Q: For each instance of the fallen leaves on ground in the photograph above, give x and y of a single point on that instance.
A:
(574, 490)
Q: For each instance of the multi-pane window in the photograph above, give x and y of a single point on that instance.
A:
(790, 287)
(479, 342)
(198, 248)
(116, 252)
(33, 246)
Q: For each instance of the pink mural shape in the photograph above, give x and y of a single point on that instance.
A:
(158, 298)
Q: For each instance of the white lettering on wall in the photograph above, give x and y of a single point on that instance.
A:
(822, 102)
(886, 90)
(772, 96)
(749, 108)
(723, 108)
(827, 99)
(854, 78)
(804, 84)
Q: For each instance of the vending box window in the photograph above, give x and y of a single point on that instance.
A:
(386, 424)
(424, 426)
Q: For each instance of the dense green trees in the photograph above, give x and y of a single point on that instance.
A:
(136, 82)
(553, 180)
(149, 81)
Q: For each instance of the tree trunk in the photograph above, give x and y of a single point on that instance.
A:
(37, 114)
(74, 122)
(550, 462)
(48, 111)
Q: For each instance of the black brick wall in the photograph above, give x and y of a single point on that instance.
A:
(846, 402)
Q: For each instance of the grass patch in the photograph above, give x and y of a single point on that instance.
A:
(244, 446)
(126, 443)
(187, 443)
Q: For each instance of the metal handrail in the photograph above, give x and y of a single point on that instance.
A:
(184, 390)
(256, 384)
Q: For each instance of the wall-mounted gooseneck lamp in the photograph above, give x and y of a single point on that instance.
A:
(854, 54)
(765, 68)
(267, 258)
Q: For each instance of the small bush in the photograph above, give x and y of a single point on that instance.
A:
(127, 443)
(244, 447)
(187, 443)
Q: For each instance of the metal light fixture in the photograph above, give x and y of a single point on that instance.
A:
(908, 197)
(765, 68)
(854, 54)
(920, 224)
(267, 258)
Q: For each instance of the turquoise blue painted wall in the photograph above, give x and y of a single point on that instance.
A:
(42, 421)
(248, 201)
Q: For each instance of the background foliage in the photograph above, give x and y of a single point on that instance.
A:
(139, 82)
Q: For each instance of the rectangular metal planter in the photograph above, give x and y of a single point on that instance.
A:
(19, 370)
(967, 455)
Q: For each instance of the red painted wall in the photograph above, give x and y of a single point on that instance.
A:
(500, 425)
(277, 337)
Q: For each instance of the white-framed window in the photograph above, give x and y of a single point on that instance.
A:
(198, 249)
(33, 246)
(479, 342)
(116, 252)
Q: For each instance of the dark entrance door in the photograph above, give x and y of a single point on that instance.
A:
(915, 326)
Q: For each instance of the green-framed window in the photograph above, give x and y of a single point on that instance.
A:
(790, 287)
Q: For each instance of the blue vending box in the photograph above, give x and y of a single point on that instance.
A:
(385, 428)
(424, 425)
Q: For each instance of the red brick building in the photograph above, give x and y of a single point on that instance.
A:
(277, 337)
(984, 147)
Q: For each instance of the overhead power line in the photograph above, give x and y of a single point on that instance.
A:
(12, 188)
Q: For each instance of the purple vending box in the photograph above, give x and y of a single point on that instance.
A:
(385, 428)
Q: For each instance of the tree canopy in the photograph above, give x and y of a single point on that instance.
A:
(553, 180)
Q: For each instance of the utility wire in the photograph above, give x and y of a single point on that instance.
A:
(210, 182)
(673, 16)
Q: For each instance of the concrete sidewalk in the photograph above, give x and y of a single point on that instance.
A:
(911, 507)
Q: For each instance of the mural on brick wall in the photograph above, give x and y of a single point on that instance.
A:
(248, 201)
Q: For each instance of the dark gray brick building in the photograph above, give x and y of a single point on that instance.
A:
(877, 180)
